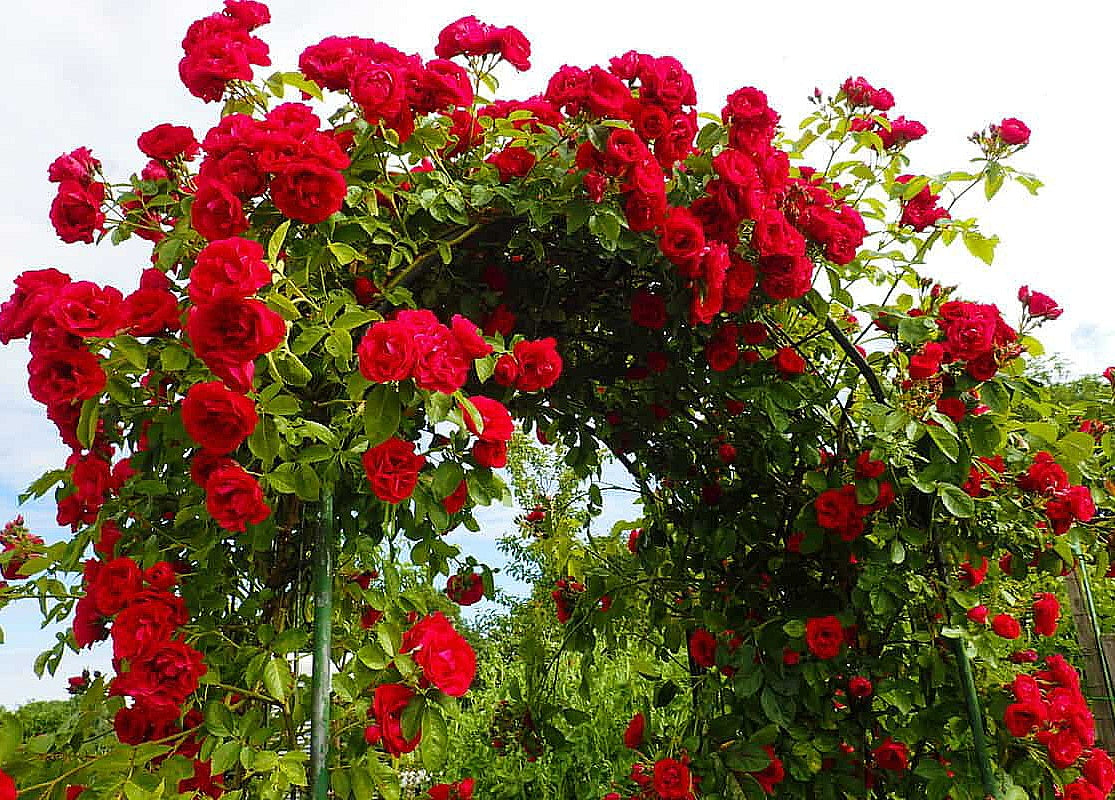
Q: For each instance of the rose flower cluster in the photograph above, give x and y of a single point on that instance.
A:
(1048, 705)
(448, 664)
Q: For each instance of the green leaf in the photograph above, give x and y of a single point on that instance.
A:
(275, 243)
(1046, 431)
(307, 485)
(382, 413)
(1076, 446)
(957, 502)
(278, 679)
(345, 254)
(87, 421)
(225, 756)
(945, 441)
(447, 477)
(132, 350)
(980, 246)
(173, 358)
(339, 344)
(290, 368)
(435, 738)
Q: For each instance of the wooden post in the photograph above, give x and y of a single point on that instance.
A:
(1097, 662)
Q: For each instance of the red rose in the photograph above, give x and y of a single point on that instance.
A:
(860, 687)
(681, 236)
(506, 371)
(468, 336)
(1099, 771)
(512, 162)
(441, 364)
(788, 362)
(514, 47)
(456, 501)
(496, 419)
(462, 790)
(892, 755)
(464, 590)
(490, 454)
(467, 36)
(234, 498)
(166, 142)
(386, 353)
(168, 673)
(228, 269)
(380, 89)
(87, 310)
(635, 734)
(702, 648)
(392, 469)
(927, 363)
(217, 419)
(150, 618)
(8, 789)
(160, 575)
(35, 291)
(1021, 718)
(1013, 131)
(978, 614)
(1006, 626)
(230, 333)
(446, 658)
(150, 312)
(113, 584)
(76, 211)
(1046, 613)
(217, 212)
(824, 636)
(672, 780)
(539, 364)
(772, 774)
(78, 165)
(500, 320)
(308, 192)
(1064, 748)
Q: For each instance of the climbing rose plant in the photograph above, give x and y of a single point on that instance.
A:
(357, 295)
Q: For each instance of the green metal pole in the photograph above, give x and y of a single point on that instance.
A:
(975, 719)
(323, 634)
(1093, 618)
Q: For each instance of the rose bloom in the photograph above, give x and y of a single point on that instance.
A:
(1046, 613)
(87, 310)
(702, 648)
(169, 672)
(824, 636)
(635, 734)
(233, 331)
(465, 590)
(446, 658)
(388, 704)
(462, 790)
(228, 268)
(788, 363)
(860, 687)
(490, 454)
(308, 192)
(512, 162)
(392, 469)
(217, 212)
(234, 499)
(76, 211)
(672, 780)
(217, 419)
(456, 501)
(539, 364)
(150, 618)
(387, 353)
(1013, 131)
(1006, 626)
(166, 142)
(35, 291)
(112, 584)
(892, 755)
(496, 419)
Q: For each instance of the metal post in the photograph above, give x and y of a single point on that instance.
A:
(323, 632)
(975, 719)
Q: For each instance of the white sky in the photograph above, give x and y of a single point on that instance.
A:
(99, 72)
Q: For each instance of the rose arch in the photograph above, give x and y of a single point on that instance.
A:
(369, 273)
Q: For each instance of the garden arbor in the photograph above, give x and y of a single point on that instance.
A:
(348, 312)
